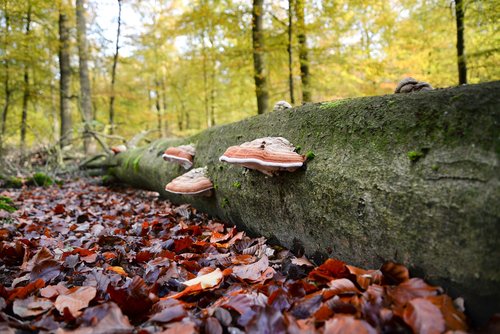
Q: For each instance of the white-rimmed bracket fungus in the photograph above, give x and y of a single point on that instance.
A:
(409, 85)
(282, 105)
(193, 182)
(118, 149)
(182, 155)
(267, 155)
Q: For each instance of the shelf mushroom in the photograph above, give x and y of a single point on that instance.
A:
(193, 182)
(118, 149)
(267, 155)
(282, 105)
(182, 155)
(408, 85)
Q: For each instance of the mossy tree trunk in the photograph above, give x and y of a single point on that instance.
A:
(410, 177)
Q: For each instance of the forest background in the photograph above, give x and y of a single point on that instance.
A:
(72, 72)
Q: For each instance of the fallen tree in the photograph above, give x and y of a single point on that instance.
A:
(410, 177)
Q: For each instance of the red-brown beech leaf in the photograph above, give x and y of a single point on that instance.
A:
(25, 291)
(46, 270)
(52, 291)
(106, 318)
(75, 300)
(344, 324)
(171, 310)
(31, 306)
(424, 317)
(330, 269)
(59, 209)
(133, 300)
(241, 303)
(182, 244)
(394, 273)
(413, 288)
(213, 326)
(454, 319)
(252, 272)
(339, 286)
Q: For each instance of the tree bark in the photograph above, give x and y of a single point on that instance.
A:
(258, 57)
(462, 66)
(113, 72)
(85, 91)
(290, 52)
(159, 122)
(411, 178)
(303, 54)
(65, 78)
(26, 91)
(7, 89)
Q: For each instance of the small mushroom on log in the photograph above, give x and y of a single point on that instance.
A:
(118, 149)
(409, 85)
(268, 155)
(182, 155)
(193, 182)
(282, 105)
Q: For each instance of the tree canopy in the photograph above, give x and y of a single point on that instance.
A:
(183, 66)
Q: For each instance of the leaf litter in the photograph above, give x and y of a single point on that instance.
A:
(81, 258)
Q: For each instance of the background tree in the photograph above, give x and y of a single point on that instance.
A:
(113, 72)
(85, 91)
(462, 66)
(64, 76)
(303, 53)
(258, 57)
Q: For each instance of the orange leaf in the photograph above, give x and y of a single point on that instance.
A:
(453, 318)
(118, 270)
(75, 300)
(424, 317)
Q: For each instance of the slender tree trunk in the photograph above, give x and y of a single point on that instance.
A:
(158, 109)
(303, 56)
(204, 57)
(26, 93)
(290, 52)
(64, 79)
(462, 66)
(212, 97)
(7, 76)
(258, 57)
(113, 72)
(85, 92)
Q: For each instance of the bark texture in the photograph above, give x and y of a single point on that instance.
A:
(65, 78)
(303, 54)
(409, 177)
(462, 66)
(85, 92)
(258, 57)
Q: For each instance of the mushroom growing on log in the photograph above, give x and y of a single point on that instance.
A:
(118, 149)
(282, 105)
(409, 85)
(268, 155)
(182, 155)
(193, 182)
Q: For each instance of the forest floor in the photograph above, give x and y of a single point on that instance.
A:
(83, 258)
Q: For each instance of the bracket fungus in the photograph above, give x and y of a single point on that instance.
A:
(118, 149)
(182, 155)
(193, 182)
(282, 105)
(267, 155)
(409, 85)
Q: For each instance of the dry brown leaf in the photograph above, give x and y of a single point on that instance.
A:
(424, 317)
(344, 324)
(31, 306)
(77, 299)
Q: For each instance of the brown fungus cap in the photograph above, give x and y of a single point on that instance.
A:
(193, 182)
(118, 149)
(183, 155)
(267, 155)
(409, 85)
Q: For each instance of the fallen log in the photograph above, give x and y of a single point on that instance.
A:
(411, 178)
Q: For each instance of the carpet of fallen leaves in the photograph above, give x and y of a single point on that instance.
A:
(81, 258)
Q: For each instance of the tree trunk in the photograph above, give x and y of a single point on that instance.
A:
(462, 66)
(113, 72)
(410, 177)
(258, 57)
(158, 109)
(65, 78)
(303, 56)
(290, 52)
(26, 92)
(85, 92)
(7, 90)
